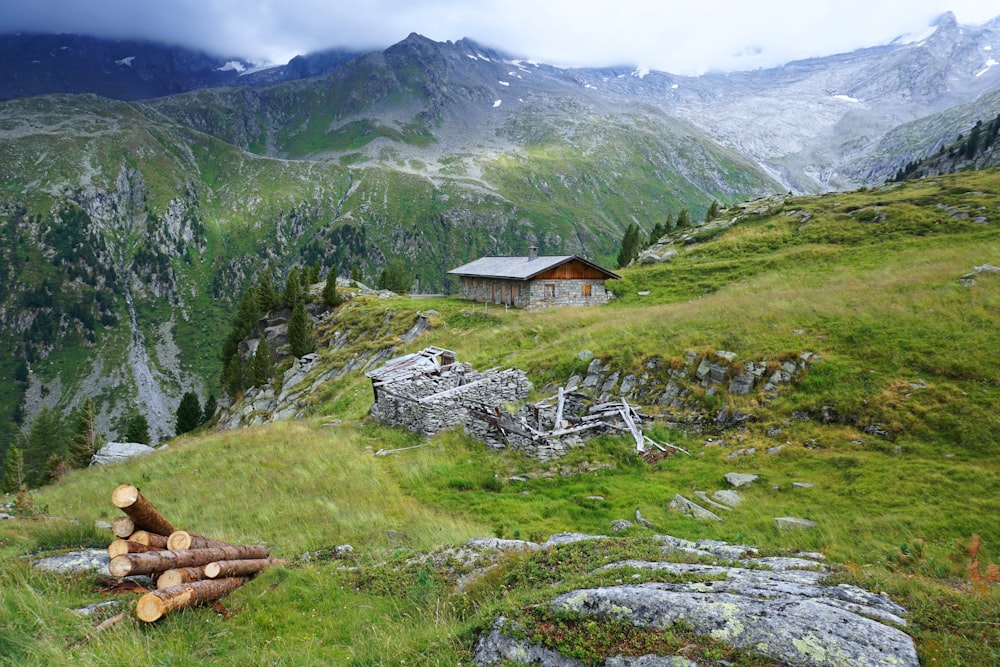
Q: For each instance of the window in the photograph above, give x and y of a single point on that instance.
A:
(550, 290)
(585, 289)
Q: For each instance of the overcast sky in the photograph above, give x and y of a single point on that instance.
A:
(699, 36)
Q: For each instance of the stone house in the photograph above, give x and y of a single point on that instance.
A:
(534, 281)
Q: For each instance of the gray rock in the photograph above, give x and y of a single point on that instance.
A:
(4, 516)
(641, 521)
(802, 485)
(570, 538)
(584, 355)
(116, 452)
(738, 479)
(88, 560)
(774, 450)
(102, 525)
(793, 523)
(685, 506)
(792, 629)
(497, 544)
(728, 497)
(496, 647)
(621, 525)
(711, 503)
(749, 451)
(741, 385)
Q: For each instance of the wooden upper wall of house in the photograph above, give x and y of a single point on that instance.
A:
(573, 270)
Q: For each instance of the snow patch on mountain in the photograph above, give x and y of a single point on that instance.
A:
(987, 66)
(640, 72)
(504, 83)
(125, 62)
(847, 98)
(497, 103)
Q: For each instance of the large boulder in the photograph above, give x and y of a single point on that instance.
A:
(116, 452)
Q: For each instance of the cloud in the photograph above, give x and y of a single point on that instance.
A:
(688, 39)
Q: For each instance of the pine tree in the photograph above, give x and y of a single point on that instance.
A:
(136, 429)
(211, 406)
(331, 297)
(45, 439)
(13, 471)
(293, 288)
(972, 145)
(261, 364)
(683, 219)
(395, 277)
(267, 296)
(629, 248)
(233, 380)
(188, 413)
(713, 211)
(299, 339)
(84, 440)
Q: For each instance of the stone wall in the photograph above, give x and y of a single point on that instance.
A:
(553, 293)
(534, 294)
(429, 403)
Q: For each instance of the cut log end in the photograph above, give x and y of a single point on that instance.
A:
(150, 608)
(179, 539)
(151, 539)
(125, 496)
(123, 526)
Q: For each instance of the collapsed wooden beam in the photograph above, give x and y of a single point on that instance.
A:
(238, 568)
(181, 539)
(158, 561)
(128, 499)
(154, 605)
(119, 547)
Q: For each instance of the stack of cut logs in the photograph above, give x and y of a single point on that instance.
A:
(189, 569)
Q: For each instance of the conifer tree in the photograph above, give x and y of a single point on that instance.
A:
(293, 288)
(233, 376)
(13, 471)
(267, 296)
(84, 440)
(188, 413)
(331, 297)
(211, 406)
(713, 211)
(629, 248)
(45, 439)
(261, 364)
(136, 429)
(299, 339)
(683, 219)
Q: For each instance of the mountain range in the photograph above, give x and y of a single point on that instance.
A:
(144, 187)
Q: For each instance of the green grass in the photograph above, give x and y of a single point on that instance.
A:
(903, 346)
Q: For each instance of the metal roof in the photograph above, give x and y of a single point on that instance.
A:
(519, 268)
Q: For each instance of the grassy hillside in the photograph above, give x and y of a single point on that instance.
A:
(906, 464)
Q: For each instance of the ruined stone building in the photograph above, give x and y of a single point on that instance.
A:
(534, 281)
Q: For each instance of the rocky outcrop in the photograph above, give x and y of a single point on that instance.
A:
(116, 452)
(776, 607)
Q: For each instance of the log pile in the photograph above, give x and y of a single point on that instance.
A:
(189, 569)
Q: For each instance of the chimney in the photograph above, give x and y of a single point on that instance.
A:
(532, 252)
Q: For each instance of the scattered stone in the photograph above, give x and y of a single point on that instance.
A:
(116, 452)
(793, 523)
(685, 506)
(621, 525)
(90, 609)
(802, 485)
(742, 452)
(969, 279)
(584, 355)
(644, 293)
(102, 525)
(641, 521)
(4, 516)
(594, 497)
(738, 479)
(708, 501)
(774, 450)
(729, 497)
